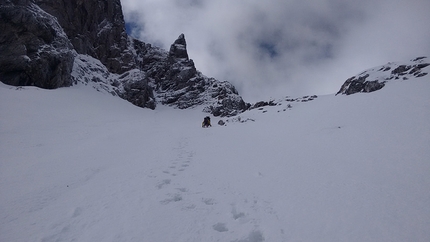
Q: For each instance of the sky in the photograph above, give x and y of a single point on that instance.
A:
(278, 48)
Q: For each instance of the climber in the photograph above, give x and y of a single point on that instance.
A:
(206, 122)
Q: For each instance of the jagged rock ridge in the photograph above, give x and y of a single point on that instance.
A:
(375, 78)
(55, 43)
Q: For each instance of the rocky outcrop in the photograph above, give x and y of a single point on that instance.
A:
(263, 104)
(360, 84)
(178, 83)
(34, 48)
(376, 78)
(178, 50)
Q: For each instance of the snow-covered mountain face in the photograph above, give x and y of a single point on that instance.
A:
(51, 44)
(81, 165)
(376, 78)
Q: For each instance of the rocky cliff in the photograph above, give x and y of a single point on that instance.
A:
(57, 43)
(95, 28)
(34, 48)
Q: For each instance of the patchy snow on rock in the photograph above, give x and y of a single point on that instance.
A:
(375, 78)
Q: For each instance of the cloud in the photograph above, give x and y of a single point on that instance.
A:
(285, 47)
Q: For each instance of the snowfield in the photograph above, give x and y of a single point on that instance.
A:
(80, 165)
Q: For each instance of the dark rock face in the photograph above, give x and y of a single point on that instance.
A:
(380, 76)
(139, 93)
(178, 50)
(95, 28)
(359, 84)
(229, 102)
(55, 43)
(34, 49)
(415, 70)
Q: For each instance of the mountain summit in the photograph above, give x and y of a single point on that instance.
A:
(179, 48)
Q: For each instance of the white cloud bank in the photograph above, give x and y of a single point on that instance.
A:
(285, 47)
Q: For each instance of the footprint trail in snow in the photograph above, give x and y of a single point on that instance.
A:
(239, 220)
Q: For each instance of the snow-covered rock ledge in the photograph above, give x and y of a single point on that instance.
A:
(375, 78)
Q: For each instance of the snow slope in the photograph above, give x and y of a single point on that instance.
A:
(80, 165)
